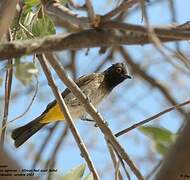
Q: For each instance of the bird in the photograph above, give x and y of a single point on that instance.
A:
(96, 86)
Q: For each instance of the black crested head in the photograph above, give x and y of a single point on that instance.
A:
(115, 74)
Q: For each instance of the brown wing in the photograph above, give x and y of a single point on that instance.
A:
(88, 84)
(93, 80)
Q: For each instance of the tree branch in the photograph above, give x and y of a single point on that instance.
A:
(124, 6)
(90, 9)
(179, 153)
(8, 84)
(138, 70)
(93, 112)
(90, 38)
(52, 159)
(42, 148)
(53, 7)
(134, 126)
(7, 12)
(118, 174)
(67, 115)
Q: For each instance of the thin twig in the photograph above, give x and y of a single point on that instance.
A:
(49, 176)
(52, 159)
(182, 58)
(168, 31)
(154, 117)
(73, 55)
(30, 104)
(121, 161)
(152, 81)
(109, 57)
(42, 148)
(68, 117)
(90, 11)
(8, 84)
(74, 5)
(124, 6)
(23, 113)
(53, 155)
(93, 112)
(114, 160)
(26, 30)
(153, 170)
(152, 35)
(173, 18)
(54, 7)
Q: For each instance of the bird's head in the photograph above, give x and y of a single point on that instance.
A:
(116, 74)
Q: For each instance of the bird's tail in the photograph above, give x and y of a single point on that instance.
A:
(23, 133)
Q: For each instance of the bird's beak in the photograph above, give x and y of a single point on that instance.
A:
(126, 76)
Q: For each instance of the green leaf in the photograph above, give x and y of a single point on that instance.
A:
(161, 148)
(21, 35)
(43, 26)
(161, 137)
(63, 2)
(25, 72)
(24, 29)
(17, 61)
(1, 81)
(28, 18)
(88, 177)
(75, 174)
(157, 133)
(31, 2)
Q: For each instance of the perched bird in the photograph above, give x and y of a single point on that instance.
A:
(95, 86)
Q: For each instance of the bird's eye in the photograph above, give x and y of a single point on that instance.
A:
(119, 70)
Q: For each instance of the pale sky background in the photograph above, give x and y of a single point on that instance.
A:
(151, 102)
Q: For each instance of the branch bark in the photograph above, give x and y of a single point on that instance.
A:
(8, 84)
(7, 12)
(134, 126)
(68, 118)
(93, 113)
(143, 74)
(43, 146)
(124, 6)
(91, 38)
(179, 154)
(53, 7)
